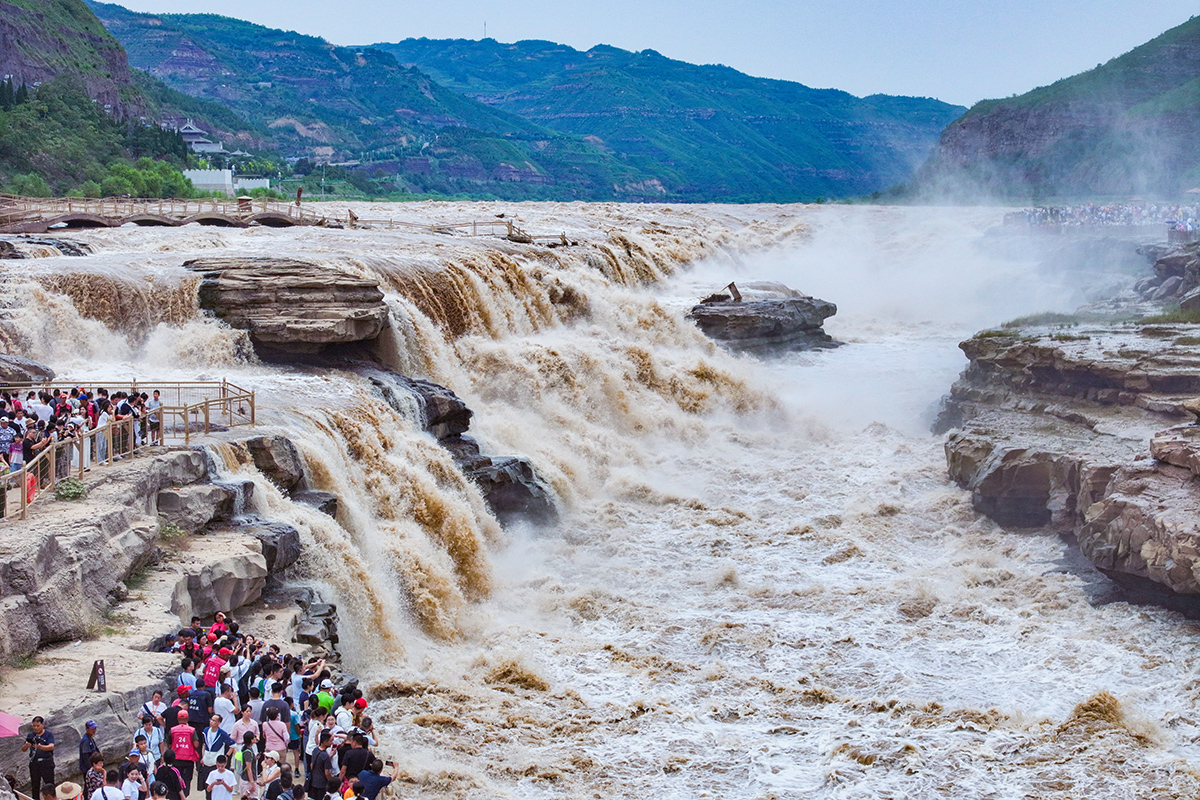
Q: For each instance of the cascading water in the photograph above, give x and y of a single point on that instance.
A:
(757, 590)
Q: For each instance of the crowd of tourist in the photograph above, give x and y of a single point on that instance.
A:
(30, 425)
(241, 719)
(1183, 216)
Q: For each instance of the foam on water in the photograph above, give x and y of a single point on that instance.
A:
(763, 585)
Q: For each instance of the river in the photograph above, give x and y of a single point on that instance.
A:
(762, 585)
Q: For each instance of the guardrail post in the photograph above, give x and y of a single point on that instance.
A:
(252, 409)
(22, 485)
(108, 437)
(206, 417)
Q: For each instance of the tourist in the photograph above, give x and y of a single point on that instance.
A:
(245, 765)
(158, 791)
(111, 790)
(280, 785)
(148, 760)
(185, 744)
(155, 706)
(325, 696)
(154, 736)
(221, 782)
(94, 778)
(373, 779)
(295, 733)
(135, 787)
(345, 714)
(216, 742)
(40, 746)
(226, 706)
(321, 775)
(68, 791)
(269, 772)
(87, 746)
(169, 776)
(133, 760)
(200, 705)
(275, 732)
(245, 725)
(355, 759)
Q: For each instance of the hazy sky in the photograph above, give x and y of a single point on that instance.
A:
(960, 51)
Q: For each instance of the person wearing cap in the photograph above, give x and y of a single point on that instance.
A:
(360, 708)
(68, 790)
(87, 746)
(270, 771)
(325, 696)
(186, 745)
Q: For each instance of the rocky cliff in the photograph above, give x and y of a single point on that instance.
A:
(41, 39)
(1087, 429)
(1126, 126)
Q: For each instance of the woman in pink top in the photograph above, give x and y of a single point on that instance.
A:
(275, 732)
(246, 723)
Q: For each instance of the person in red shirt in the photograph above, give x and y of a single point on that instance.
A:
(186, 745)
(212, 667)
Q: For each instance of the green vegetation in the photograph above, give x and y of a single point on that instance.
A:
(1126, 127)
(70, 489)
(557, 123)
(1043, 318)
(59, 141)
(1175, 316)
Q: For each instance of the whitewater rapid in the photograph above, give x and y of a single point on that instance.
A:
(762, 584)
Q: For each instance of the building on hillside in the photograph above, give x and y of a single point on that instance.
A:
(197, 140)
(211, 180)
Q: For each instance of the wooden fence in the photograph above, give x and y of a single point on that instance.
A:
(189, 409)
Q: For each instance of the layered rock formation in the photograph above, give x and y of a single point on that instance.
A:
(290, 306)
(1079, 431)
(765, 317)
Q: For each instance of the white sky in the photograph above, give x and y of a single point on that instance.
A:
(960, 51)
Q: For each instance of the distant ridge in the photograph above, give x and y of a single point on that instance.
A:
(1128, 127)
(702, 132)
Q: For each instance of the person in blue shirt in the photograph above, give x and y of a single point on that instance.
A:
(373, 780)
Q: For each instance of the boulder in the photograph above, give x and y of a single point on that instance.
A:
(288, 305)
(513, 490)
(442, 412)
(231, 573)
(1190, 301)
(280, 542)
(325, 502)
(1147, 526)
(18, 370)
(278, 458)
(1179, 446)
(318, 625)
(193, 507)
(1167, 288)
(766, 324)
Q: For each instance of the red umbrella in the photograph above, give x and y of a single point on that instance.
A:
(9, 725)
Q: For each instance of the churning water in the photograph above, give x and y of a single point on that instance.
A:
(762, 584)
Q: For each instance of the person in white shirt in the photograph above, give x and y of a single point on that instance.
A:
(110, 790)
(226, 705)
(221, 781)
(134, 785)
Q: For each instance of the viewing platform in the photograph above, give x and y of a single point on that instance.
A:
(40, 215)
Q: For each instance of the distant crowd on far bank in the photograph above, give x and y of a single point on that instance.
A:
(1184, 216)
(241, 720)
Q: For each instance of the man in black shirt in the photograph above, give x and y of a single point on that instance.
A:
(321, 776)
(356, 758)
(40, 746)
(200, 706)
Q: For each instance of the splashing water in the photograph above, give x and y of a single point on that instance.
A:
(763, 585)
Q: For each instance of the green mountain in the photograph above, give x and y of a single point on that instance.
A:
(336, 103)
(1129, 126)
(701, 132)
(80, 116)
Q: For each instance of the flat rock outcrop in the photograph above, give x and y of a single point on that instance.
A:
(229, 573)
(1066, 429)
(765, 319)
(291, 306)
(15, 370)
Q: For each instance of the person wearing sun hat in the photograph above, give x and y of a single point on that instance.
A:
(69, 791)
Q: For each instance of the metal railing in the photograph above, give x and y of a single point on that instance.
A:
(188, 409)
(18, 208)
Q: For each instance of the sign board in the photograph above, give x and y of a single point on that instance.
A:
(98, 681)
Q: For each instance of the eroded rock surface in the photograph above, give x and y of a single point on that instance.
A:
(1067, 429)
(15, 370)
(291, 306)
